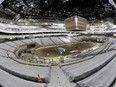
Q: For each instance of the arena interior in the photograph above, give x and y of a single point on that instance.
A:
(57, 43)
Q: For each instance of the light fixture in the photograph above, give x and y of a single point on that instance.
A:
(64, 1)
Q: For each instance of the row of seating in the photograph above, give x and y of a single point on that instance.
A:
(80, 70)
(113, 46)
(75, 60)
(102, 78)
(8, 80)
(48, 41)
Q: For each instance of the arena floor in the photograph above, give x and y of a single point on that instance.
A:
(51, 51)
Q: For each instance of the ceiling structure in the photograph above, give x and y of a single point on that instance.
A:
(56, 9)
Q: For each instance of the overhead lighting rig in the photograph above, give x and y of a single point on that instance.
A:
(64, 1)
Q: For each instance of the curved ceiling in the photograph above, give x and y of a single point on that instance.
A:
(56, 9)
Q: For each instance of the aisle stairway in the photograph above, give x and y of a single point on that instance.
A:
(58, 79)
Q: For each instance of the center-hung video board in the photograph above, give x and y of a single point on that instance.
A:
(75, 23)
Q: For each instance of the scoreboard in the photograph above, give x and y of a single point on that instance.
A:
(75, 23)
